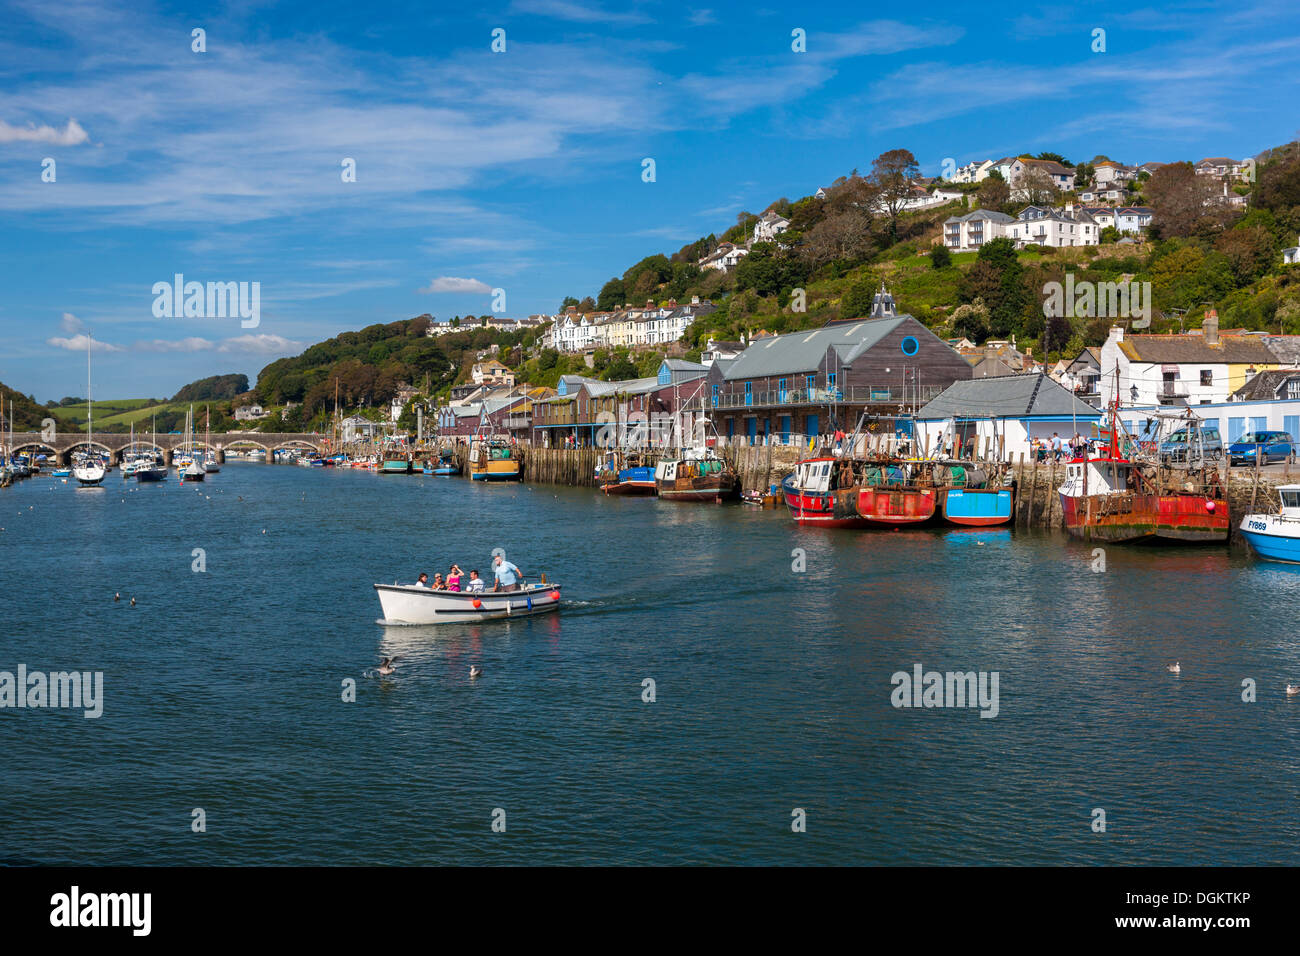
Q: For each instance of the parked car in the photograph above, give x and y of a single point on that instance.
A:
(1175, 447)
(1267, 446)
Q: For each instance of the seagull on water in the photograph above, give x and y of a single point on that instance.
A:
(1292, 689)
(133, 602)
(1176, 668)
(475, 671)
(387, 666)
(117, 596)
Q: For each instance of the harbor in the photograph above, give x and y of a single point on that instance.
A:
(773, 663)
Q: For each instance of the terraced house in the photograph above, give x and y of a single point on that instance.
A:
(785, 388)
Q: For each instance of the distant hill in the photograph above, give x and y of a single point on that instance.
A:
(25, 414)
(213, 388)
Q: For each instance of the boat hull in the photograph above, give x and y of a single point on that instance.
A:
(150, 474)
(892, 507)
(408, 604)
(496, 471)
(976, 507)
(1272, 537)
(1121, 518)
(829, 509)
(395, 467)
(708, 489)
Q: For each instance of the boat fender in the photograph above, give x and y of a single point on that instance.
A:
(1209, 505)
(477, 603)
(555, 595)
(530, 604)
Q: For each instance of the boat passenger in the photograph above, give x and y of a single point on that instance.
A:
(507, 575)
(475, 582)
(453, 578)
(438, 584)
(423, 580)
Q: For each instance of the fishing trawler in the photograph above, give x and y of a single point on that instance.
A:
(888, 498)
(1276, 536)
(973, 495)
(823, 491)
(698, 475)
(626, 474)
(494, 459)
(1109, 495)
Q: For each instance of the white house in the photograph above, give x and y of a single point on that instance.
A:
(1185, 369)
(1012, 168)
(357, 428)
(1070, 226)
(1291, 257)
(726, 257)
(247, 413)
(1002, 414)
(1109, 171)
(769, 226)
(1133, 219)
(967, 233)
(974, 172)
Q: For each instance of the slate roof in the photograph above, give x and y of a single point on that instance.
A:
(1174, 349)
(1006, 396)
(1265, 385)
(1285, 347)
(803, 351)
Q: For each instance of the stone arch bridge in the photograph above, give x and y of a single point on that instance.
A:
(61, 445)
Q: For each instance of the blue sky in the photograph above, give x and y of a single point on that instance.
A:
(521, 170)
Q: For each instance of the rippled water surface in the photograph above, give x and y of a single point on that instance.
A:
(223, 689)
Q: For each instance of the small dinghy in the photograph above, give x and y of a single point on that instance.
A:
(412, 604)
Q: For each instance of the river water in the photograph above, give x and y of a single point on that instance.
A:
(223, 688)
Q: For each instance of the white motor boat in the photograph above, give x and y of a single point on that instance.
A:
(88, 469)
(412, 604)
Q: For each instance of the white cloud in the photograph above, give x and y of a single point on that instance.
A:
(70, 135)
(453, 284)
(77, 343)
(576, 12)
(70, 323)
(191, 344)
(259, 344)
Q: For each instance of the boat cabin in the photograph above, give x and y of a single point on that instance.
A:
(1096, 476)
(1290, 498)
(814, 475)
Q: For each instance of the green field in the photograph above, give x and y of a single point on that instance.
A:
(117, 411)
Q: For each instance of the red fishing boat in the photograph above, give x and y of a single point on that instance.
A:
(823, 491)
(1107, 496)
(887, 498)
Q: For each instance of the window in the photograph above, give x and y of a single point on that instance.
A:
(749, 393)
(1207, 376)
(1293, 388)
(715, 396)
(809, 383)
(780, 387)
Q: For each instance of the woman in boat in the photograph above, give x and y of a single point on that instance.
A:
(453, 578)
(423, 580)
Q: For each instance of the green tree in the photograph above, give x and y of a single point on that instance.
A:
(940, 257)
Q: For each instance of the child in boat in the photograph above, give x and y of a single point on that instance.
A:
(475, 582)
(453, 578)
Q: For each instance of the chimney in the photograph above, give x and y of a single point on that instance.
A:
(1069, 209)
(695, 300)
(649, 303)
(1210, 327)
(1116, 334)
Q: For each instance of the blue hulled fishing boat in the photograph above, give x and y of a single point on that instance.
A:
(1276, 537)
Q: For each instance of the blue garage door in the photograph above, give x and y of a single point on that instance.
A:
(1236, 428)
(785, 429)
(753, 429)
(812, 427)
(1259, 424)
(1291, 425)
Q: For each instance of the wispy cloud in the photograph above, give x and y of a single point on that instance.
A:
(77, 343)
(71, 135)
(192, 344)
(453, 284)
(576, 12)
(260, 345)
